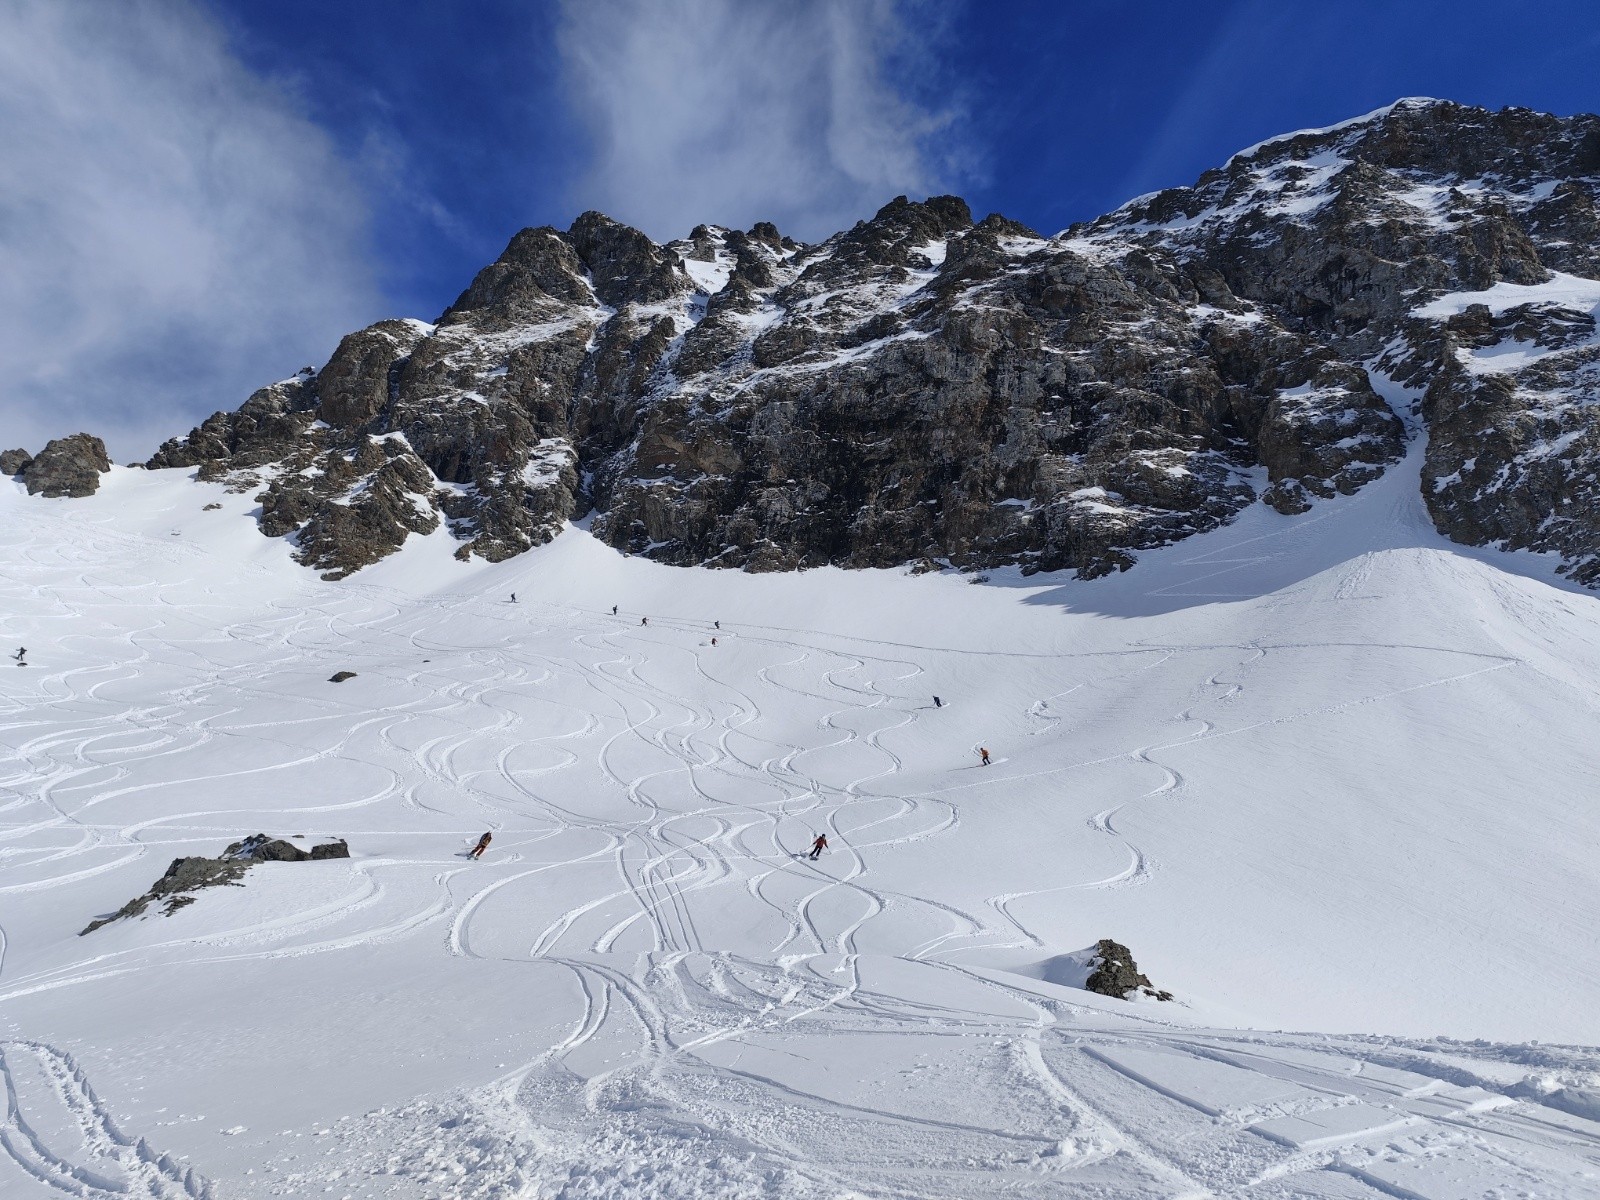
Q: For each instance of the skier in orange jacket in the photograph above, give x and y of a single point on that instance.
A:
(483, 844)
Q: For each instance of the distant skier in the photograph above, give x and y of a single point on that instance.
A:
(717, 624)
(483, 844)
(513, 597)
(21, 656)
(644, 620)
(983, 753)
(938, 703)
(613, 610)
(713, 641)
(818, 846)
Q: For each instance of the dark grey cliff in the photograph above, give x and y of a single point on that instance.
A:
(927, 387)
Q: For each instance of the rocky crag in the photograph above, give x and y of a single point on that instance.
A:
(186, 876)
(66, 467)
(926, 388)
(1114, 973)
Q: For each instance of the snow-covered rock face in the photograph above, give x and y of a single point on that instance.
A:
(1454, 248)
(926, 388)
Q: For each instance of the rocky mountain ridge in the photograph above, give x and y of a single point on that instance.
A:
(925, 388)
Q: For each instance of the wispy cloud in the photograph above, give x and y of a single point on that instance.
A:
(175, 231)
(809, 113)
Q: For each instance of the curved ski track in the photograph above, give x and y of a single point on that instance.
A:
(630, 828)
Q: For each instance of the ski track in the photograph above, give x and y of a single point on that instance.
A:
(708, 810)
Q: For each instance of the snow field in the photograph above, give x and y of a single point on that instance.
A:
(1326, 773)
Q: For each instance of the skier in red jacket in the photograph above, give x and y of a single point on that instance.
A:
(818, 846)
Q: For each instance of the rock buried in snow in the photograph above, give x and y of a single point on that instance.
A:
(175, 889)
(1116, 974)
(186, 876)
(341, 676)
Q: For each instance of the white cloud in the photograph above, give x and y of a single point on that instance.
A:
(808, 113)
(174, 230)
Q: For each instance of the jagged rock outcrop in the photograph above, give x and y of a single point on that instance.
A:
(69, 466)
(926, 388)
(176, 888)
(186, 876)
(1115, 974)
(14, 462)
(1455, 250)
(261, 847)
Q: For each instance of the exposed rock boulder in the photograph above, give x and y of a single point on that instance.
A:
(1114, 973)
(341, 676)
(14, 462)
(69, 466)
(262, 848)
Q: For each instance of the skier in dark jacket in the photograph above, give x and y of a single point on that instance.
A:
(818, 846)
(613, 610)
(483, 844)
(938, 703)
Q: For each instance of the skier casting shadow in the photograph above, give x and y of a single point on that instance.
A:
(483, 844)
(818, 846)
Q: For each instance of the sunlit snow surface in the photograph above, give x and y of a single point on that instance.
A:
(1325, 773)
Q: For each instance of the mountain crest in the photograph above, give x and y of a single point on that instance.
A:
(922, 388)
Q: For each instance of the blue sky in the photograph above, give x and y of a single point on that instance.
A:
(200, 196)
(1056, 111)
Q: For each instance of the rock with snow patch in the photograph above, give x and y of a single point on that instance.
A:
(923, 387)
(176, 888)
(1114, 973)
(186, 876)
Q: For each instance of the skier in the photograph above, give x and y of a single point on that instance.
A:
(513, 597)
(938, 703)
(22, 653)
(713, 641)
(718, 624)
(483, 844)
(613, 610)
(644, 620)
(983, 752)
(818, 846)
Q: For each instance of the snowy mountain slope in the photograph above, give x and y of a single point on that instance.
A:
(1325, 773)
